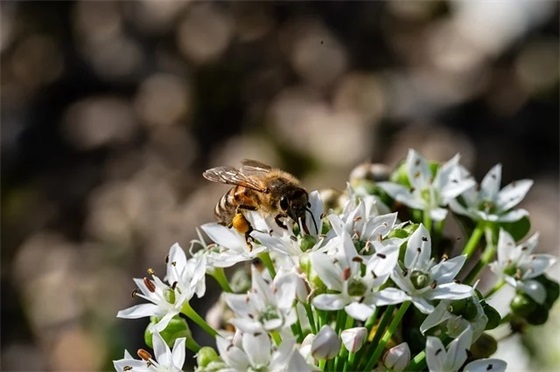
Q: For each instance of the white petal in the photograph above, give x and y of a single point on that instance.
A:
(395, 190)
(359, 311)
(438, 316)
(457, 350)
(438, 214)
(513, 216)
(435, 354)
(238, 303)
(446, 271)
(247, 325)
(330, 302)
(450, 291)
(179, 352)
(138, 311)
(418, 170)
(491, 183)
(419, 249)
(423, 305)
(257, 347)
(512, 194)
(163, 322)
(538, 264)
(329, 272)
(161, 350)
(486, 365)
(221, 235)
(285, 286)
(506, 245)
(459, 208)
(388, 296)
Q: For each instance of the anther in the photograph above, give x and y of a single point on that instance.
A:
(346, 273)
(149, 284)
(143, 354)
(151, 271)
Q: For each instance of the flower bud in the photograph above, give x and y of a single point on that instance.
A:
(522, 305)
(176, 328)
(326, 344)
(205, 356)
(485, 346)
(354, 338)
(397, 358)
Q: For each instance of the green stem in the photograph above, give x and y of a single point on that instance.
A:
(387, 336)
(418, 363)
(471, 245)
(220, 276)
(311, 318)
(276, 337)
(496, 288)
(267, 262)
(192, 345)
(487, 256)
(340, 320)
(378, 333)
(427, 221)
(350, 362)
(193, 315)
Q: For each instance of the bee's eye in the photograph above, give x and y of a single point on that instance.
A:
(284, 203)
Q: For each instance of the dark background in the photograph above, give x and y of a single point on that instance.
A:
(111, 111)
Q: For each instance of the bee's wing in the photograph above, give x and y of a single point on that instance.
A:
(232, 176)
(250, 167)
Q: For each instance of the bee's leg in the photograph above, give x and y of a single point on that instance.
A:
(279, 222)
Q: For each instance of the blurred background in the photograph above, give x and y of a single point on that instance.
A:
(111, 111)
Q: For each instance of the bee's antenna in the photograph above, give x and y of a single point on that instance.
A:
(313, 218)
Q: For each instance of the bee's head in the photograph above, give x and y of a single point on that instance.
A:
(294, 204)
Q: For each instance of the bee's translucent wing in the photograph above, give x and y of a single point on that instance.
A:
(232, 176)
(254, 167)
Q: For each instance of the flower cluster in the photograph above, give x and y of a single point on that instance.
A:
(373, 282)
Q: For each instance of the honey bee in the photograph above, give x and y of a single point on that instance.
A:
(259, 187)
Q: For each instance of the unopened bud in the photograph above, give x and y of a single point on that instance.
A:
(326, 344)
(397, 358)
(205, 356)
(354, 338)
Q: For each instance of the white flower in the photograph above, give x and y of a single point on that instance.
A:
(167, 301)
(491, 203)
(165, 359)
(231, 246)
(255, 352)
(456, 324)
(326, 344)
(354, 338)
(518, 265)
(266, 307)
(397, 358)
(182, 273)
(422, 280)
(429, 193)
(440, 359)
(356, 280)
(486, 365)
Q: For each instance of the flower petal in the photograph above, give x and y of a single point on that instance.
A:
(490, 185)
(435, 354)
(178, 353)
(450, 291)
(446, 271)
(512, 194)
(330, 301)
(486, 365)
(419, 249)
(359, 311)
(418, 170)
(138, 311)
(257, 347)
